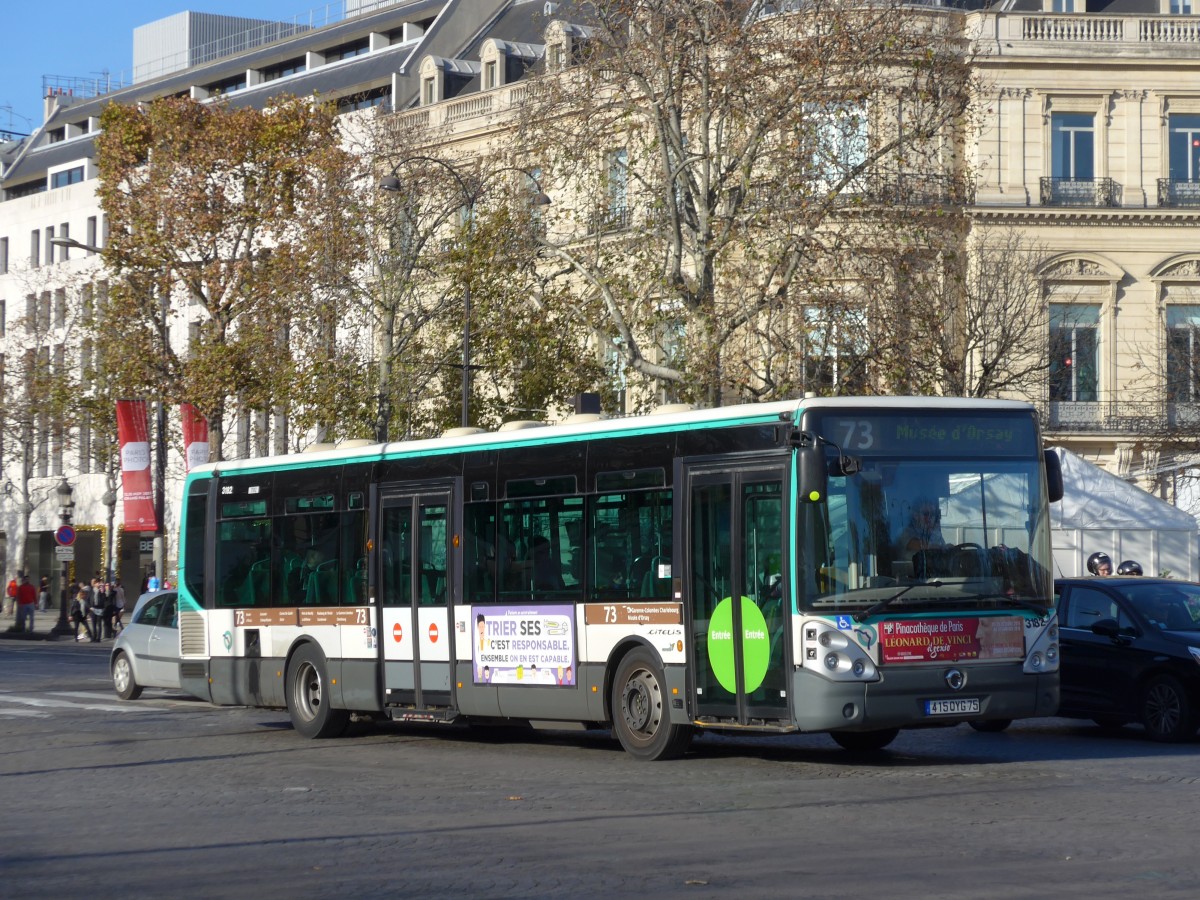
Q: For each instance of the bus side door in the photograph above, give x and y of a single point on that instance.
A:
(415, 580)
(734, 531)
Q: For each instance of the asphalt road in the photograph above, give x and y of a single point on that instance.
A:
(167, 796)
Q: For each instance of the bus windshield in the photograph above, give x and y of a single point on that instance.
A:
(928, 533)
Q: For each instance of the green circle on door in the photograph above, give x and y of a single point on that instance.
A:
(756, 645)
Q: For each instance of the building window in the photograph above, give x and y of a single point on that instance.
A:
(35, 248)
(60, 307)
(3, 256)
(558, 55)
(67, 176)
(291, 67)
(1073, 146)
(837, 141)
(616, 187)
(1183, 353)
(229, 85)
(50, 246)
(429, 92)
(90, 238)
(1181, 7)
(490, 70)
(1074, 352)
(1183, 140)
(378, 97)
(348, 51)
(28, 189)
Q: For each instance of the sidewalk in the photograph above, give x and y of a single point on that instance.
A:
(43, 624)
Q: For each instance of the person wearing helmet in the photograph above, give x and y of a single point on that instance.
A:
(1129, 567)
(1100, 564)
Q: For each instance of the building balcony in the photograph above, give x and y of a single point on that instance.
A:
(1178, 193)
(1131, 418)
(1078, 192)
(1088, 33)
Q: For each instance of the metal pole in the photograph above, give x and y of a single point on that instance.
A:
(160, 491)
(61, 629)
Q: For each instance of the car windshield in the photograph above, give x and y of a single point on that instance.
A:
(961, 533)
(1173, 607)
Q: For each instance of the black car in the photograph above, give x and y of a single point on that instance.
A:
(1131, 653)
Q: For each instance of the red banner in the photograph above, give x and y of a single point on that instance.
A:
(195, 436)
(133, 432)
(951, 639)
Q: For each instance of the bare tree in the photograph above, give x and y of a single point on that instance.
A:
(716, 159)
(38, 395)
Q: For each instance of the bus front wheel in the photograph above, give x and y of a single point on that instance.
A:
(308, 696)
(641, 720)
(865, 741)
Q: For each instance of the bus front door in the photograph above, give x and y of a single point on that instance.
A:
(734, 551)
(414, 586)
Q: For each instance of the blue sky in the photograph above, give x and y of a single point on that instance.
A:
(74, 38)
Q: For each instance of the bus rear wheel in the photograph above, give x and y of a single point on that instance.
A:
(308, 696)
(641, 720)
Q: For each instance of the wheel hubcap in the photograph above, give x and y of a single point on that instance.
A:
(1162, 710)
(640, 703)
(121, 674)
(308, 690)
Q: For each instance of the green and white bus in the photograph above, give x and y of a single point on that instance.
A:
(749, 568)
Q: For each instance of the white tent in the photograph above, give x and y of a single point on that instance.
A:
(1100, 511)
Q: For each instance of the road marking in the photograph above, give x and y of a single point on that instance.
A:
(47, 703)
(22, 714)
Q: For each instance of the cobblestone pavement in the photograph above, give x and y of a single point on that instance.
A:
(168, 796)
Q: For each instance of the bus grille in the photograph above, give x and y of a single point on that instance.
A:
(193, 637)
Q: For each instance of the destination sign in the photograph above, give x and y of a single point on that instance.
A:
(930, 435)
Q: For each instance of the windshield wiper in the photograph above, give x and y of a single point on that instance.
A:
(888, 601)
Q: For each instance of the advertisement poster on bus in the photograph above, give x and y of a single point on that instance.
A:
(525, 645)
(951, 639)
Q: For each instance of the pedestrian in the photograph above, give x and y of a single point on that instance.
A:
(44, 594)
(10, 596)
(118, 607)
(1100, 563)
(110, 609)
(26, 602)
(79, 608)
(97, 611)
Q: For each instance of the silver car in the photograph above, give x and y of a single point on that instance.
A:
(146, 652)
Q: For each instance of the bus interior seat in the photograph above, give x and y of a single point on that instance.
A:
(322, 585)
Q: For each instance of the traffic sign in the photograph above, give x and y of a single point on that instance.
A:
(64, 554)
(65, 535)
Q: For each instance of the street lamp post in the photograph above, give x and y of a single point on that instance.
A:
(471, 194)
(160, 461)
(109, 499)
(66, 503)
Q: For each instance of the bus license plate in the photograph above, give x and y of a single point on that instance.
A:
(959, 706)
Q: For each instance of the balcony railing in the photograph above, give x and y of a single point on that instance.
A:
(604, 221)
(1178, 193)
(1078, 192)
(1122, 417)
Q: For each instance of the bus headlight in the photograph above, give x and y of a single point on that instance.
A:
(834, 654)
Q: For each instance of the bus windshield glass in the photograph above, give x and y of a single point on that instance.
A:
(929, 524)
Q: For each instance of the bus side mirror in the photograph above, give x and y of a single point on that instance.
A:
(1054, 476)
(812, 473)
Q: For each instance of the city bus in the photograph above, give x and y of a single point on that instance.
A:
(741, 569)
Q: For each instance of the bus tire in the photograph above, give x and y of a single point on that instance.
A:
(990, 726)
(641, 720)
(864, 741)
(308, 696)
